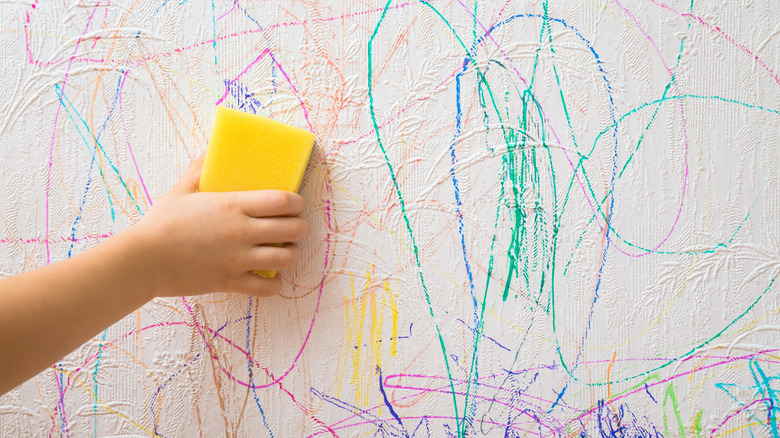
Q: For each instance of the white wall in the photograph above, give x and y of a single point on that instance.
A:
(581, 236)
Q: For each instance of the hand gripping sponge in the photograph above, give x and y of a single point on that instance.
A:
(251, 152)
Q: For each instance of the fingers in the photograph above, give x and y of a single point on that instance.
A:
(266, 257)
(269, 203)
(190, 181)
(278, 229)
(256, 285)
(263, 258)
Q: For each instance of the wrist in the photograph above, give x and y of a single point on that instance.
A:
(139, 261)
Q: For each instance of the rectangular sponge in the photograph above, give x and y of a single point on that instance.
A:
(251, 152)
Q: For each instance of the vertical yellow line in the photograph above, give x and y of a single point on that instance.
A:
(379, 332)
(354, 344)
(348, 346)
(372, 338)
(379, 342)
(357, 372)
(373, 333)
(376, 329)
(394, 313)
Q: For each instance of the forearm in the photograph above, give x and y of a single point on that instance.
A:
(49, 312)
(189, 243)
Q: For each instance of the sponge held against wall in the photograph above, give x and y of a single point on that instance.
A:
(252, 152)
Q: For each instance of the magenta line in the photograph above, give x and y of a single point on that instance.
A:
(214, 334)
(308, 333)
(127, 134)
(686, 173)
(61, 405)
(27, 32)
(503, 8)
(314, 316)
(435, 417)
(650, 39)
(294, 90)
(445, 390)
(676, 376)
(462, 382)
(209, 42)
(442, 389)
(227, 89)
(722, 34)
(57, 239)
(324, 270)
(309, 412)
(211, 331)
(712, 434)
(498, 46)
(685, 140)
(328, 239)
(235, 3)
(594, 208)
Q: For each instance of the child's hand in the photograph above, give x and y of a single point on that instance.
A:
(189, 243)
(197, 242)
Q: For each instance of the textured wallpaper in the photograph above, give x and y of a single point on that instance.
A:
(529, 218)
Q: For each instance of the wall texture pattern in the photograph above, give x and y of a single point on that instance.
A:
(530, 218)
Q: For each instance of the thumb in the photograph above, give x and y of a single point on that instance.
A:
(190, 182)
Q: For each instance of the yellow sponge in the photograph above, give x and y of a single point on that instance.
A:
(251, 152)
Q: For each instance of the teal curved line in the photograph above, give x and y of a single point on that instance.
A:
(66, 103)
(628, 160)
(461, 426)
(403, 211)
(687, 354)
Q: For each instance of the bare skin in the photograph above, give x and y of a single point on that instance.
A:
(189, 243)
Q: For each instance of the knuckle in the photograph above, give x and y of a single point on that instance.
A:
(295, 229)
(280, 199)
(288, 230)
(297, 203)
(285, 258)
(234, 232)
(295, 253)
(226, 284)
(305, 227)
(246, 260)
(299, 228)
(228, 203)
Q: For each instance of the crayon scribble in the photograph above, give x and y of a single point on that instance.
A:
(533, 218)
